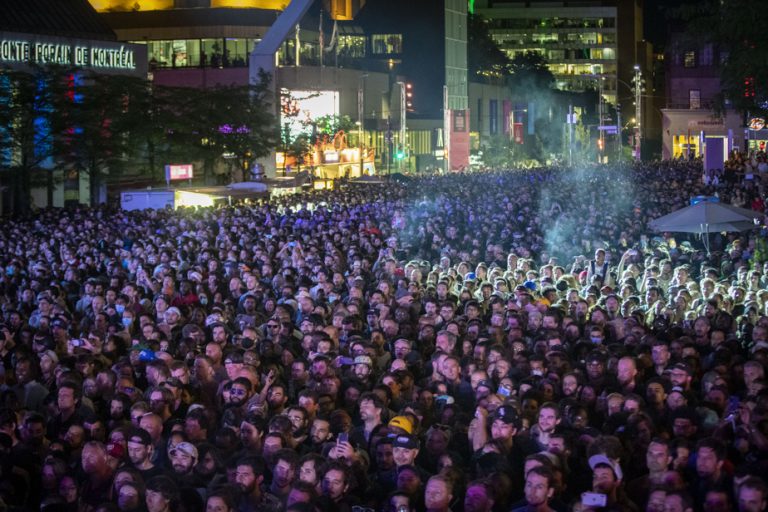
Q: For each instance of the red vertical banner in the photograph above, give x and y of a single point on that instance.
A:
(506, 108)
(459, 140)
(518, 133)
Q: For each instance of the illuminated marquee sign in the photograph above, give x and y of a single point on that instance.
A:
(24, 49)
(756, 123)
(178, 172)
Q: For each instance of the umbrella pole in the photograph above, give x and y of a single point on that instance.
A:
(705, 234)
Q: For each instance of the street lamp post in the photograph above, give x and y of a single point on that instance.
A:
(361, 116)
(639, 88)
(618, 131)
(571, 121)
(401, 88)
(600, 79)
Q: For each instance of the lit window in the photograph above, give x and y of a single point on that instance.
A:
(694, 99)
(387, 43)
(689, 59)
(178, 53)
(351, 46)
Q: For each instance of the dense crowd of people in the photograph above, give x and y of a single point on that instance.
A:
(481, 342)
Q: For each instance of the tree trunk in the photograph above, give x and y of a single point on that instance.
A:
(49, 186)
(94, 179)
(24, 197)
(151, 157)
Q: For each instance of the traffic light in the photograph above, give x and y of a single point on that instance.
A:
(600, 144)
(400, 154)
(409, 97)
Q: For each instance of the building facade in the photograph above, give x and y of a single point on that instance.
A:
(584, 42)
(356, 48)
(692, 85)
(588, 44)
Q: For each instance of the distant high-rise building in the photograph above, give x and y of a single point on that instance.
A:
(583, 41)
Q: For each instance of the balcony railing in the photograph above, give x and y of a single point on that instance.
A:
(703, 105)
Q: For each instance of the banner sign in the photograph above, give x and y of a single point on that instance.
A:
(29, 49)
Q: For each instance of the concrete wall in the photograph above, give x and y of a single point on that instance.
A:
(480, 121)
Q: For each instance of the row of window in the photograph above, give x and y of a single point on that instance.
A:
(234, 52)
(582, 69)
(386, 44)
(184, 53)
(702, 58)
(578, 83)
(561, 55)
(549, 39)
(556, 23)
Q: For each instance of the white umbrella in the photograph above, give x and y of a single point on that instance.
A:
(705, 217)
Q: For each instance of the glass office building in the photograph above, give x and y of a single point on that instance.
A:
(579, 40)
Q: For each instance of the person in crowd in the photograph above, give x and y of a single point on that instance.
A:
(492, 339)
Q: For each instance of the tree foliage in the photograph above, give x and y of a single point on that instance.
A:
(30, 104)
(529, 75)
(103, 125)
(231, 121)
(330, 125)
(485, 58)
(94, 130)
(499, 152)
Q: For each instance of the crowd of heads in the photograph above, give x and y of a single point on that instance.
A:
(479, 342)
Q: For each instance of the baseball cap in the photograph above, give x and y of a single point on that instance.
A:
(173, 309)
(402, 422)
(507, 414)
(603, 459)
(52, 355)
(185, 449)
(405, 441)
(485, 383)
(234, 357)
(364, 360)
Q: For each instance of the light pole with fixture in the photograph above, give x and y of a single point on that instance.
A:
(638, 83)
(403, 134)
(361, 116)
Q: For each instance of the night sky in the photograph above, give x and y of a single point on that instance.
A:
(655, 29)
